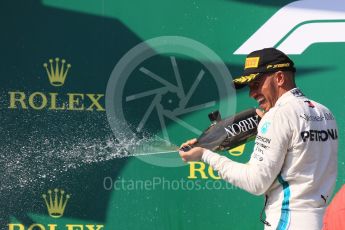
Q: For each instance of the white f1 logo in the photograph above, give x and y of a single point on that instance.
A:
(298, 25)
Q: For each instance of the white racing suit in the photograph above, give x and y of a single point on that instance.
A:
(294, 162)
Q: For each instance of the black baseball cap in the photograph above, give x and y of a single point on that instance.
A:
(268, 60)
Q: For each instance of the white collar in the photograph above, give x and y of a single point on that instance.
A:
(287, 96)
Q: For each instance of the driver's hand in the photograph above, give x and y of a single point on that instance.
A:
(260, 113)
(189, 142)
(194, 154)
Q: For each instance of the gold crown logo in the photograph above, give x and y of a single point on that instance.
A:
(57, 204)
(57, 74)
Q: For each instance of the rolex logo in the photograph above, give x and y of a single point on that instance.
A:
(56, 203)
(57, 72)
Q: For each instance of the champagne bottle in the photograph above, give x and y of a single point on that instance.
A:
(228, 133)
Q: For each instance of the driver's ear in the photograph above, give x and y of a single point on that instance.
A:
(279, 78)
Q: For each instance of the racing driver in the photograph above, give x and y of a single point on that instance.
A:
(294, 161)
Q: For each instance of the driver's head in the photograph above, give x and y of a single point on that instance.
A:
(269, 74)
